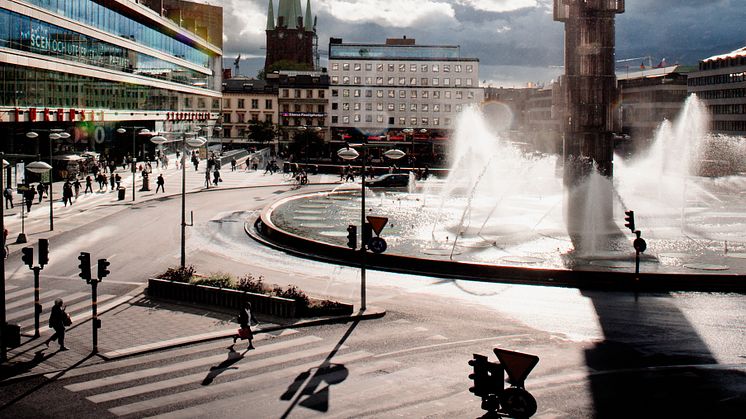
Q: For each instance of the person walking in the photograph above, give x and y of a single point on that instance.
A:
(112, 179)
(57, 319)
(216, 177)
(40, 189)
(88, 184)
(67, 193)
(160, 182)
(8, 194)
(233, 164)
(245, 319)
(76, 187)
(28, 196)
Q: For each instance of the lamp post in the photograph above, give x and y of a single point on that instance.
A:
(35, 167)
(348, 153)
(3, 352)
(410, 132)
(135, 132)
(191, 142)
(54, 134)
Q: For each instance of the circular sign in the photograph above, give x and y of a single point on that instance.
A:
(377, 245)
(518, 402)
(99, 135)
(639, 244)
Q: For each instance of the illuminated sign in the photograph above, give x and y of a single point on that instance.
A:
(303, 114)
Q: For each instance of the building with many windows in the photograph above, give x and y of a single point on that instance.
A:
(89, 67)
(303, 98)
(380, 90)
(721, 83)
(247, 101)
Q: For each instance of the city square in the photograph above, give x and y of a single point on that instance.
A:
(409, 241)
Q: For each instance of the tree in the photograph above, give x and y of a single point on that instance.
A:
(306, 143)
(262, 131)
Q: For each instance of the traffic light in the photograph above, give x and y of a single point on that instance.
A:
(479, 376)
(630, 220)
(352, 236)
(103, 264)
(85, 265)
(43, 252)
(367, 234)
(28, 256)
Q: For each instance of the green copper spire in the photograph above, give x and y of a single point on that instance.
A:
(284, 12)
(307, 21)
(270, 17)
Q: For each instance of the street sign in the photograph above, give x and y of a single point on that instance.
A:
(377, 245)
(517, 365)
(378, 223)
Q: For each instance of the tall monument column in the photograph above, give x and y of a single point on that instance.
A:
(588, 94)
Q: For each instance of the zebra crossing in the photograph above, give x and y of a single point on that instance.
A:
(19, 303)
(211, 378)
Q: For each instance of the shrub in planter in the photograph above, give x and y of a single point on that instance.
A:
(249, 283)
(178, 274)
(216, 279)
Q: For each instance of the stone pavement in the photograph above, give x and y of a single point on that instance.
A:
(138, 326)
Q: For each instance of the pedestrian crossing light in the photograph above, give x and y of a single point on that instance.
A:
(352, 236)
(85, 265)
(479, 376)
(103, 270)
(630, 220)
(43, 252)
(28, 256)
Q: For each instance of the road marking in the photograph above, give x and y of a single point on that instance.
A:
(200, 376)
(222, 388)
(15, 294)
(170, 369)
(30, 310)
(439, 345)
(42, 296)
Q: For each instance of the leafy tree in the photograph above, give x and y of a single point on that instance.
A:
(262, 131)
(306, 142)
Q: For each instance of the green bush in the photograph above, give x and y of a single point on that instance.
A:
(294, 293)
(249, 283)
(216, 279)
(178, 274)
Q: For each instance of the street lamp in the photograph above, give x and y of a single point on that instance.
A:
(3, 352)
(54, 134)
(348, 153)
(35, 167)
(135, 132)
(191, 142)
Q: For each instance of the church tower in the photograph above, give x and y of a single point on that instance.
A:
(290, 38)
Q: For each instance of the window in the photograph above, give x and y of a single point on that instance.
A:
(423, 81)
(469, 82)
(335, 79)
(413, 94)
(436, 94)
(345, 119)
(356, 106)
(402, 94)
(424, 121)
(379, 67)
(390, 107)
(425, 107)
(379, 119)
(296, 107)
(402, 107)
(379, 80)
(470, 94)
(390, 80)
(345, 79)
(446, 68)
(285, 107)
(413, 121)
(425, 94)
(241, 103)
(436, 121)
(356, 93)
(457, 68)
(321, 94)
(254, 103)
(402, 68)
(391, 120)
(320, 108)
(254, 117)
(268, 118)
(368, 67)
(346, 67)
(447, 121)
(402, 121)
(356, 80)
(447, 94)
(469, 68)
(436, 81)
(446, 81)
(357, 67)
(436, 68)
(458, 108)
(457, 82)
(335, 92)
(335, 66)
(379, 93)
(227, 103)
(413, 81)
(346, 93)
(368, 93)
(447, 107)
(268, 104)
(356, 117)
(335, 106)
(345, 106)
(413, 107)
(392, 93)
(379, 106)
(402, 81)
(436, 107)
(413, 68)
(368, 106)
(459, 95)
(309, 94)
(369, 80)
(423, 68)
(335, 119)
(368, 118)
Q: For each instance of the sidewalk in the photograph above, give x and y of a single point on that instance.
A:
(138, 326)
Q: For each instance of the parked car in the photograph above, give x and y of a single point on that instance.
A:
(393, 180)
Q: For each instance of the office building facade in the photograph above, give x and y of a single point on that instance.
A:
(89, 67)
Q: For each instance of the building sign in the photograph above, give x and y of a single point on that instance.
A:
(303, 114)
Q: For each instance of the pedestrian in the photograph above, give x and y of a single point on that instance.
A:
(40, 190)
(207, 179)
(8, 194)
(245, 319)
(118, 180)
(57, 319)
(112, 180)
(233, 164)
(76, 187)
(195, 161)
(88, 184)
(67, 193)
(28, 196)
(216, 177)
(160, 183)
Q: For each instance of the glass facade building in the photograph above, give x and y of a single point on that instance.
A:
(91, 66)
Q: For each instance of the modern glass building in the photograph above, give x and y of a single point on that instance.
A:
(89, 67)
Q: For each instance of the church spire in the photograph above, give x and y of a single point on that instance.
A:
(307, 21)
(270, 17)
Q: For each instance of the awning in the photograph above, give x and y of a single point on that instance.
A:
(68, 157)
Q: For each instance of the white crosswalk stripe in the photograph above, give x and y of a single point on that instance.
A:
(161, 382)
(30, 310)
(20, 304)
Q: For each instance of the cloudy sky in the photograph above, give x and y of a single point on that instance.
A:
(516, 41)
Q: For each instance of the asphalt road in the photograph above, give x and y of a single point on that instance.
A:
(601, 354)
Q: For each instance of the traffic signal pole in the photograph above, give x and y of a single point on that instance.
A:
(362, 224)
(37, 304)
(94, 314)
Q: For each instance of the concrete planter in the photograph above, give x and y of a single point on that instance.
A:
(221, 297)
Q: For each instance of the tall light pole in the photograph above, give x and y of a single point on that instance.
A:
(135, 132)
(348, 153)
(54, 134)
(3, 352)
(191, 142)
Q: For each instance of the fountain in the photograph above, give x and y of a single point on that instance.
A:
(503, 206)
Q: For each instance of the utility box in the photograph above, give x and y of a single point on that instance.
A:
(121, 192)
(12, 335)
